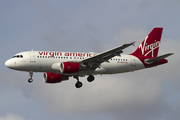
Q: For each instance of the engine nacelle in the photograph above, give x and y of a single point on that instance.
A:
(53, 77)
(69, 67)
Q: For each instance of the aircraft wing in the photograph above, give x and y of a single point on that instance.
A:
(95, 61)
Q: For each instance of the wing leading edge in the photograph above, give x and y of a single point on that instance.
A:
(95, 61)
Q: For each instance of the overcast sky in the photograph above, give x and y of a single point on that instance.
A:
(89, 26)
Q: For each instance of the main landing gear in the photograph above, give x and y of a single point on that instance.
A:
(79, 84)
(31, 75)
(90, 78)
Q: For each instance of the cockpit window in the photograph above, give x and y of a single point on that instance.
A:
(18, 56)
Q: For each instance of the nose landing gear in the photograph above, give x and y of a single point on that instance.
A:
(30, 80)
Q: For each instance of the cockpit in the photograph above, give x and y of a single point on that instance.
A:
(18, 56)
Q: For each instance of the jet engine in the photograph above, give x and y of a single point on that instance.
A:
(69, 67)
(53, 77)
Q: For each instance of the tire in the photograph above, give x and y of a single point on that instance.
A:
(30, 80)
(90, 78)
(78, 84)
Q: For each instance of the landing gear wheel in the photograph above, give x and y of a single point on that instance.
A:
(31, 75)
(78, 84)
(30, 80)
(90, 78)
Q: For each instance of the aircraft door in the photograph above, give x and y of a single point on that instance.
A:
(133, 61)
(32, 56)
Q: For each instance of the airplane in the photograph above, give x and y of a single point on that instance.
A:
(59, 66)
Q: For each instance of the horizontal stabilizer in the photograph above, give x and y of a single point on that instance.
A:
(156, 59)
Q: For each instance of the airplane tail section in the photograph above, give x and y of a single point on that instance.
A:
(147, 51)
(150, 46)
(156, 59)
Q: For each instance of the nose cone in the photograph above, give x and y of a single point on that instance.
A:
(8, 63)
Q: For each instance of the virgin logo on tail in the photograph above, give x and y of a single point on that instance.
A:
(144, 46)
(150, 46)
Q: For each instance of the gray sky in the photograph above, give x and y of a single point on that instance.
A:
(89, 26)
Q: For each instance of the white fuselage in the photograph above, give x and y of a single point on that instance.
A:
(42, 61)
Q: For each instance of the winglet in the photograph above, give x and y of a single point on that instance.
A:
(134, 43)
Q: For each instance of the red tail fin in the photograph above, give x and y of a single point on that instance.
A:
(150, 46)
